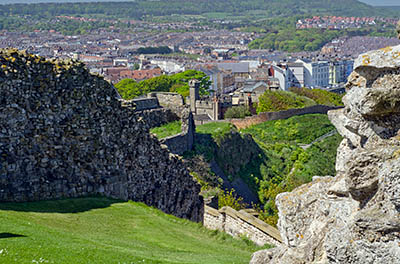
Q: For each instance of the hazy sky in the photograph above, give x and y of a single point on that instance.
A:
(382, 2)
(371, 2)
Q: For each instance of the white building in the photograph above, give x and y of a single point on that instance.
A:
(289, 75)
(169, 66)
(316, 73)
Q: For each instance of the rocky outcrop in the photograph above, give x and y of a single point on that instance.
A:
(64, 133)
(355, 216)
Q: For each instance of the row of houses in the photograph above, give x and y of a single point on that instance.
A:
(248, 75)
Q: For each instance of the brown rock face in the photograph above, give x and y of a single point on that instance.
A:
(64, 133)
(355, 216)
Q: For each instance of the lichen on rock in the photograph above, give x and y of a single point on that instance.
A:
(355, 216)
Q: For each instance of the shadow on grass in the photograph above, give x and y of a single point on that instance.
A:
(73, 205)
(9, 235)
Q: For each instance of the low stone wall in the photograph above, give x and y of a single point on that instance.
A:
(157, 117)
(267, 116)
(168, 99)
(145, 104)
(241, 223)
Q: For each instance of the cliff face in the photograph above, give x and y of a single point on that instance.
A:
(64, 133)
(355, 216)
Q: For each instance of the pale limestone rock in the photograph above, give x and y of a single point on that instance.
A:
(355, 216)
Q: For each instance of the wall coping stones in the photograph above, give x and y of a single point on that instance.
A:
(251, 220)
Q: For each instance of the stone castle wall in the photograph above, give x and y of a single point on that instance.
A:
(64, 133)
(184, 141)
(160, 108)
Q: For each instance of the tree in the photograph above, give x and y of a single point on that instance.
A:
(237, 112)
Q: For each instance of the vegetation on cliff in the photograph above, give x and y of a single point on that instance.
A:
(290, 157)
(101, 230)
(178, 83)
(271, 157)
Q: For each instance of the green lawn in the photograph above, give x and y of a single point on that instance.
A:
(214, 128)
(101, 230)
(167, 130)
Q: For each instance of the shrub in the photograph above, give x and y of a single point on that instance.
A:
(229, 198)
(237, 112)
(319, 96)
(273, 101)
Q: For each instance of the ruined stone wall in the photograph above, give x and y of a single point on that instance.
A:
(158, 117)
(64, 133)
(168, 99)
(184, 141)
(240, 223)
(145, 104)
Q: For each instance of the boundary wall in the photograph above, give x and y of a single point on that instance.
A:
(240, 223)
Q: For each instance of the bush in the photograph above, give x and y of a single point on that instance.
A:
(229, 198)
(319, 96)
(273, 101)
(237, 112)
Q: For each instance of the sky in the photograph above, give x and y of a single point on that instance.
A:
(382, 2)
(371, 2)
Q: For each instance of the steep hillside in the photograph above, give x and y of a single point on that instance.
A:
(100, 230)
(270, 158)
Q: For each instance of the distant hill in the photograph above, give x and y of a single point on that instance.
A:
(248, 8)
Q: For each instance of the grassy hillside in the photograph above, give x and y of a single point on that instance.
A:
(100, 230)
(292, 155)
(279, 156)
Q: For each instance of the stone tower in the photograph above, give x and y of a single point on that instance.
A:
(194, 94)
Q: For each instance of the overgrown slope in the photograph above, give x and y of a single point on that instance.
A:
(100, 230)
(277, 157)
(293, 152)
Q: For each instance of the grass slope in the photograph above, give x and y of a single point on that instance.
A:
(101, 230)
(167, 130)
(285, 165)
